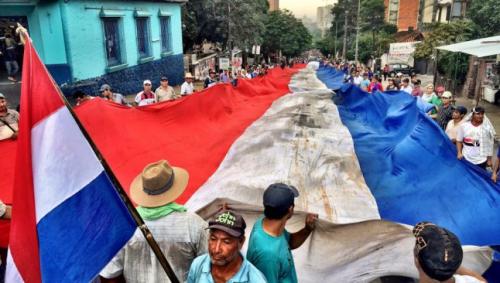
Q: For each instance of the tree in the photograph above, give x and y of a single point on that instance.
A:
(486, 15)
(453, 65)
(372, 20)
(219, 21)
(285, 33)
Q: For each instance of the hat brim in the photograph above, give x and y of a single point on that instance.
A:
(231, 232)
(143, 199)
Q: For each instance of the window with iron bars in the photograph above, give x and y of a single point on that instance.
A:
(112, 41)
(143, 39)
(166, 39)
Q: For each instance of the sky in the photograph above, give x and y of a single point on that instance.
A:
(302, 7)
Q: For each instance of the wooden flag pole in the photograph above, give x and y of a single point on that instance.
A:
(116, 184)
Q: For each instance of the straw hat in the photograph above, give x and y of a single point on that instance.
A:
(158, 184)
(189, 76)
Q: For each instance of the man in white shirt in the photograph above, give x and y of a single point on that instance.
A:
(405, 86)
(473, 139)
(438, 256)
(187, 88)
(146, 96)
(357, 78)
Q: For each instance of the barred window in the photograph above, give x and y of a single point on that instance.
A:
(142, 24)
(112, 41)
(166, 43)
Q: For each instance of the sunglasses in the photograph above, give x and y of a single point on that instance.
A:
(147, 84)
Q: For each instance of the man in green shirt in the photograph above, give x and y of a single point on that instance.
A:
(270, 244)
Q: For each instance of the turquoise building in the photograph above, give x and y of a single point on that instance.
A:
(87, 43)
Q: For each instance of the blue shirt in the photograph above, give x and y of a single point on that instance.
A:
(271, 255)
(200, 272)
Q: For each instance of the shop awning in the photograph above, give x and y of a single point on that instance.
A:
(479, 47)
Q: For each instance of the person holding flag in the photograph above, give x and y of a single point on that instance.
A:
(70, 215)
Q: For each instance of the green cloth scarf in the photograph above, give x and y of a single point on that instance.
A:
(153, 213)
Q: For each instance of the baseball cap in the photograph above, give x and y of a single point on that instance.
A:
(229, 222)
(478, 109)
(446, 94)
(438, 250)
(164, 78)
(146, 82)
(2, 96)
(104, 87)
(280, 196)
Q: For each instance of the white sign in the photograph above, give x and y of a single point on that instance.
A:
(402, 52)
(224, 63)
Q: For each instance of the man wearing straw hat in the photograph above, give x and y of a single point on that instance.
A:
(181, 235)
(187, 88)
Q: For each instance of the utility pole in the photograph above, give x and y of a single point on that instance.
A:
(335, 43)
(356, 54)
(344, 48)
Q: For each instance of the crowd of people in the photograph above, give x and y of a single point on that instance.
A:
(201, 252)
(165, 92)
(473, 134)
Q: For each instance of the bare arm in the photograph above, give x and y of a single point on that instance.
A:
(495, 171)
(460, 145)
(464, 271)
(298, 238)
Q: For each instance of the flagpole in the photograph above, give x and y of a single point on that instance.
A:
(116, 184)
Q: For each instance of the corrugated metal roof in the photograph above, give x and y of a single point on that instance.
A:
(482, 47)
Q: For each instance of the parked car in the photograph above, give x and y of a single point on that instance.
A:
(401, 68)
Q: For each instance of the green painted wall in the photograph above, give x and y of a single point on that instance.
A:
(85, 34)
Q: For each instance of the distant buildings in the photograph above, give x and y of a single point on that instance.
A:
(324, 19)
(274, 5)
(413, 14)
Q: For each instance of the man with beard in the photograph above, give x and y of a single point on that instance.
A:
(475, 140)
(224, 261)
(9, 119)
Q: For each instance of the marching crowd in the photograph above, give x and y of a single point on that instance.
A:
(201, 252)
(165, 92)
(473, 134)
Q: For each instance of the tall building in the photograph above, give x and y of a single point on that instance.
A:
(413, 14)
(324, 18)
(402, 13)
(274, 5)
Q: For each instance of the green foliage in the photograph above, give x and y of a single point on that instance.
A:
(327, 45)
(240, 21)
(486, 15)
(442, 34)
(375, 34)
(372, 15)
(286, 33)
(451, 64)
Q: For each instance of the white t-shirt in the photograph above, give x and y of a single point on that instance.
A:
(470, 135)
(407, 89)
(452, 128)
(187, 88)
(357, 80)
(140, 101)
(466, 279)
